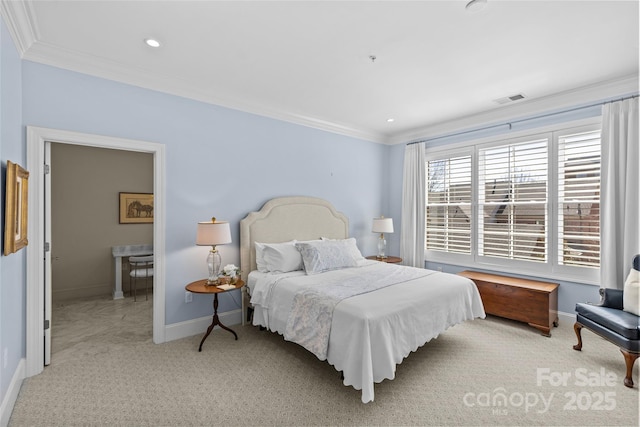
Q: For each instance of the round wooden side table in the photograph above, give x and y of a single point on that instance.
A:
(201, 287)
(389, 259)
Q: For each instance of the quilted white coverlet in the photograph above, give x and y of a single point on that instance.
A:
(309, 323)
(372, 332)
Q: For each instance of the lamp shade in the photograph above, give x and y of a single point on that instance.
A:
(213, 233)
(382, 225)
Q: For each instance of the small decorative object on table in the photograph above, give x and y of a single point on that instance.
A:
(230, 271)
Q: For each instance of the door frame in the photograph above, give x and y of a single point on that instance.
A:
(35, 274)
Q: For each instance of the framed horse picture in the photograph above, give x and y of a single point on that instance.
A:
(136, 208)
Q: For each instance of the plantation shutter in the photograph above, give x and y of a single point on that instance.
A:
(579, 199)
(448, 216)
(512, 201)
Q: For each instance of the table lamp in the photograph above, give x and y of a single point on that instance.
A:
(211, 234)
(382, 225)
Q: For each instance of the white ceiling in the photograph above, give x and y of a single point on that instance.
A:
(309, 62)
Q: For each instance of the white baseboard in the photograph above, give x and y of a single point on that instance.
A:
(188, 328)
(12, 393)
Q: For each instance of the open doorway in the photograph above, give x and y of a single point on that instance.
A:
(38, 257)
(87, 316)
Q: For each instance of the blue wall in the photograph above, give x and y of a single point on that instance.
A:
(12, 267)
(220, 162)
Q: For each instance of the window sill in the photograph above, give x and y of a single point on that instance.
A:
(591, 277)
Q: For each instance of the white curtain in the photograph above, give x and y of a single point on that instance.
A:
(619, 183)
(413, 206)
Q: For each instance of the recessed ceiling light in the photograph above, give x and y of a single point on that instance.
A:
(391, 120)
(476, 5)
(152, 42)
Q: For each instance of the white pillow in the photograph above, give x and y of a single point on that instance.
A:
(260, 264)
(631, 296)
(351, 242)
(278, 257)
(326, 255)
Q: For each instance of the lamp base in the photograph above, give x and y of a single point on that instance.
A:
(382, 247)
(214, 260)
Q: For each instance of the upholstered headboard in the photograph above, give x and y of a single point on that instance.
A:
(288, 218)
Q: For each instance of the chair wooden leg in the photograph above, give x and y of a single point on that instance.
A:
(577, 327)
(629, 360)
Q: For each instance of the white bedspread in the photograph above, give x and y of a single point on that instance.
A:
(309, 323)
(373, 332)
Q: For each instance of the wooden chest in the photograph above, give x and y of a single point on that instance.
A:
(529, 301)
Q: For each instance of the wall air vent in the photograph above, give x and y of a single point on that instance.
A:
(507, 99)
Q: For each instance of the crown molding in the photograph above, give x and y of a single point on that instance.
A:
(598, 92)
(21, 23)
(96, 66)
(56, 56)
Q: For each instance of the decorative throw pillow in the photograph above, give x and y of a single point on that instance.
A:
(350, 242)
(326, 255)
(631, 295)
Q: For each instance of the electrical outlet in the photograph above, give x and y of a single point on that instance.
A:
(188, 296)
(439, 268)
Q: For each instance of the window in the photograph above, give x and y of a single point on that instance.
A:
(512, 201)
(579, 199)
(448, 213)
(529, 204)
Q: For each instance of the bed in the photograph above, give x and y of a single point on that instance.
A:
(363, 334)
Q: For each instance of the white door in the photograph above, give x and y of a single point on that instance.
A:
(47, 253)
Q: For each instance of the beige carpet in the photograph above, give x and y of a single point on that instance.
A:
(261, 380)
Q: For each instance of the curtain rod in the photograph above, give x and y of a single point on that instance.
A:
(541, 116)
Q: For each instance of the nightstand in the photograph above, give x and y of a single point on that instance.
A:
(201, 287)
(389, 259)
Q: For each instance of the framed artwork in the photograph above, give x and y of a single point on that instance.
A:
(15, 215)
(136, 208)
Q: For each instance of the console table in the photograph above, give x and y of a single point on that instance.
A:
(118, 253)
(529, 301)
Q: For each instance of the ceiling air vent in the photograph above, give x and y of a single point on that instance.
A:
(507, 99)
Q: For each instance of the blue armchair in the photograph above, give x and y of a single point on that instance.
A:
(608, 320)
